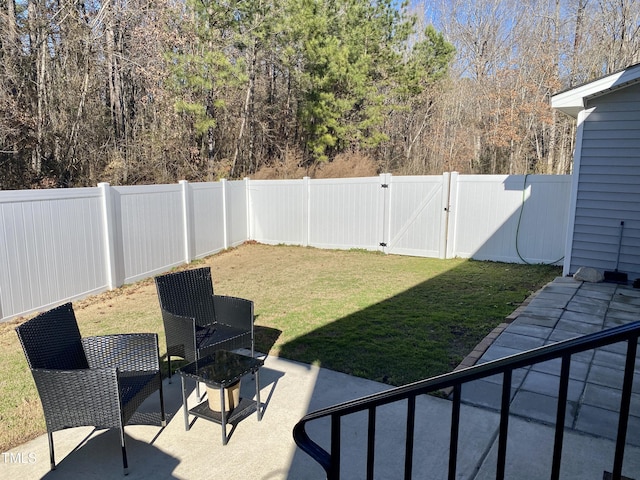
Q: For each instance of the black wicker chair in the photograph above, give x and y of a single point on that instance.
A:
(197, 322)
(93, 381)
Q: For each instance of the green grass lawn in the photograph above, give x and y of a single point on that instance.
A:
(393, 319)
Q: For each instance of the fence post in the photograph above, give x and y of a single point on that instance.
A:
(225, 219)
(452, 206)
(109, 228)
(187, 221)
(444, 215)
(248, 207)
(385, 185)
(306, 194)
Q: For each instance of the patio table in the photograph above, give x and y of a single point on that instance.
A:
(220, 370)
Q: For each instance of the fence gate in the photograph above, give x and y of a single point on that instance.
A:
(417, 215)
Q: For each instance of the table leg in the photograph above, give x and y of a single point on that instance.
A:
(258, 405)
(185, 409)
(223, 416)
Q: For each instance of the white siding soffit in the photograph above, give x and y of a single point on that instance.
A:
(574, 100)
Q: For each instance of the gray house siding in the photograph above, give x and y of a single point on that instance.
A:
(609, 184)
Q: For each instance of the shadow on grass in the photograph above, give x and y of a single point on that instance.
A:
(426, 330)
(265, 338)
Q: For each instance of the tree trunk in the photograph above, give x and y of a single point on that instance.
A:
(115, 81)
(553, 129)
(73, 134)
(248, 100)
(10, 40)
(577, 42)
(41, 73)
(251, 112)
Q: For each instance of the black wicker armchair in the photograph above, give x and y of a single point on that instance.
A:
(197, 322)
(93, 381)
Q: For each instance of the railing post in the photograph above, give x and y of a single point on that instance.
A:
(411, 425)
(560, 416)
(455, 431)
(625, 404)
(371, 443)
(504, 424)
(334, 473)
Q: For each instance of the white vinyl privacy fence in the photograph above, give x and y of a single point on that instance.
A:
(61, 245)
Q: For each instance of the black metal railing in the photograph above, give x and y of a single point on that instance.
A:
(330, 461)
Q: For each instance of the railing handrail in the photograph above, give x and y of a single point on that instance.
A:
(564, 348)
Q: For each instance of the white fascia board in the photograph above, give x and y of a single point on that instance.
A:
(573, 101)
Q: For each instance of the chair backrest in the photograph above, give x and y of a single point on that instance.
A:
(51, 340)
(188, 293)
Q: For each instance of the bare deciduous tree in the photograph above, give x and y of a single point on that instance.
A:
(148, 91)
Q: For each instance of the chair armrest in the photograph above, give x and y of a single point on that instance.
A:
(180, 331)
(233, 311)
(72, 398)
(130, 352)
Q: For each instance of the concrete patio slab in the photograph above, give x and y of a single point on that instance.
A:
(262, 450)
(530, 450)
(256, 450)
(575, 308)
